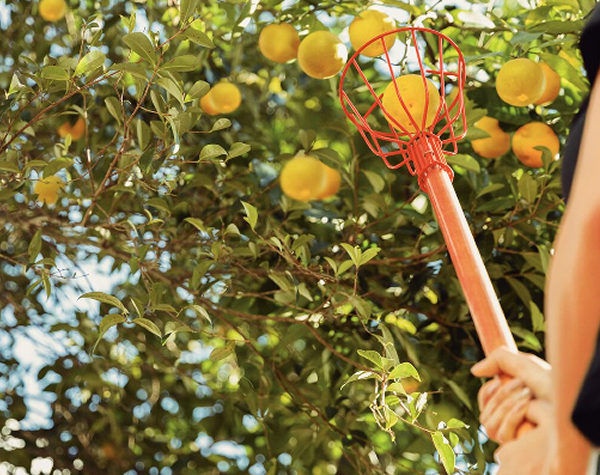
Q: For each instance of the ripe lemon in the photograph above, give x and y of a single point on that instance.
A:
(207, 106)
(368, 25)
(494, 146)
(53, 10)
(412, 91)
(225, 97)
(520, 82)
(47, 189)
(279, 43)
(322, 55)
(333, 180)
(303, 178)
(552, 85)
(534, 135)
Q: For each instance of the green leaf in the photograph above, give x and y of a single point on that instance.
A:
(144, 134)
(94, 59)
(528, 187)
(404, 370)
(465, 161)
(35, 246)
(368, 255)
(444, 448)
(372, 356)
(141, 44)
(238, 148)
(148, 325)
(212, 151)
(187, 8)
(198, 37)
(55, 73)
(521, 290)
(221, 353)
(197, 223)
(114, 108)
(172, 87)
(11, 167)
(537, 318)
(376, 180)
(105, 298)
(200, 311)
(199, 89)
(220, 124)
(136, 69)
(251, 214)
(354, 252)
(186, 62)
(360, 376)
(106, 324)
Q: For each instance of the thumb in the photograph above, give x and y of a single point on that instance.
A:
(501, 360)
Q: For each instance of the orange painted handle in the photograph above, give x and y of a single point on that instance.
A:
(487, 314)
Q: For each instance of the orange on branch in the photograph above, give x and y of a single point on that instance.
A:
(533, 135)
(52, 10)
(322, 55)
(494, 146)
(413, 92)
(552, 85)
(279, 42)
(303, 178)
(368, 25)
(207, 105)
(520, 82)
(48, 188)
(333, 181)
(225, 97)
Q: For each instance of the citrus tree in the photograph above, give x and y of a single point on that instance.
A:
(166, 308)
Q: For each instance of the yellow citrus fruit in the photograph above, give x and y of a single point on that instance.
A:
(520, 82)
(552, 85)
(225, 97)
(533, 135)
(410, 384)
(47, 189)
(279, 43)
(322, 55)
(494, 146)
(333, 181)
(412, 91)
(207, 106)
(77, 130)
(368, 25)
(53, 10)
(303, 178)
(64, 129)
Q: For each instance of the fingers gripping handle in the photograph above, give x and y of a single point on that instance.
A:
(488, 317)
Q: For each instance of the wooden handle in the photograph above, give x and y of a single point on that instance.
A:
(487, 314)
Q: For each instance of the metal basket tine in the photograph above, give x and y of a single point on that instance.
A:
(422, 69)
(413, 121)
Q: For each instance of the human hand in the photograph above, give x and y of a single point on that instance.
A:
(504, 406)
(530, 454)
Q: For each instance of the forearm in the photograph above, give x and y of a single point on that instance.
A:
(573, 297)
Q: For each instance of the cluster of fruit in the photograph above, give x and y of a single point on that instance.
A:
(522, 82)
(320, 55)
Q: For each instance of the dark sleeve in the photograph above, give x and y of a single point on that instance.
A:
(588, 44)
(586, 415)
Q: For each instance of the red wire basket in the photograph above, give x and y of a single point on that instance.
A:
(396, 144)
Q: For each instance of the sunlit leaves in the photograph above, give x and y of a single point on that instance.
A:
(141, 44)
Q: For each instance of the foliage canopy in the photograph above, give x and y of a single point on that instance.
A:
(180, 314)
